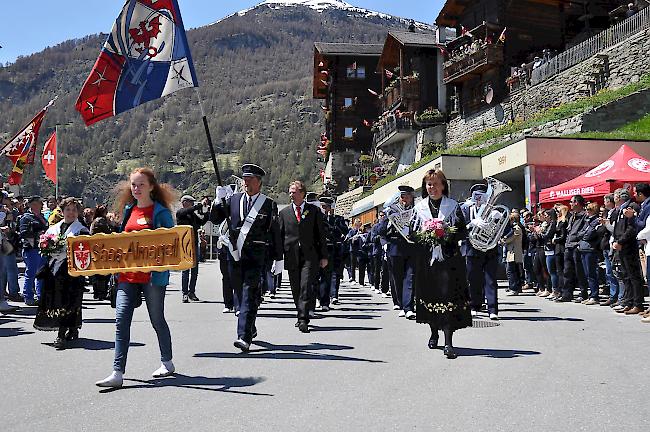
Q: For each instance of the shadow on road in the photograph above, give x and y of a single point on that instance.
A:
(493, 353)
(327, 329)
(542, 318)
(92, 344)
(220, 384)
(13, 331)
(99, 320)
(289, 352)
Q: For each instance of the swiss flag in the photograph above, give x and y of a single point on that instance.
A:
(49, 158)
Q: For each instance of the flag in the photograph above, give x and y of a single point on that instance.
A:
(145, 57)
(49, 158)
(21, 149)
(502, 38)
(372, 92)
(389, 74)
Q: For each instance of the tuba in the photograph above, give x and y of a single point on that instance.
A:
(493, 218)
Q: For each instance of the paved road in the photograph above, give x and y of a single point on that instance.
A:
(546, 367)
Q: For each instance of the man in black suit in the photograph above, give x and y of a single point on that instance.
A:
(253, 229)
(305, 249)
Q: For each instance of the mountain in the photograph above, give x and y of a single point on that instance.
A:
(254, 69)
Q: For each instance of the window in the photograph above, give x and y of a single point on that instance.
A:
(348, 132)
(356, 72)
(348, 102)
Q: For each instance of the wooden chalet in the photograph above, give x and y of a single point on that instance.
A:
(496, 35)
(410, 67)
(343, 73)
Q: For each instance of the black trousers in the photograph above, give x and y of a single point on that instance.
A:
(228, 297)
(303, 282)
(377, 263)
(633, 278)
(364, 265)
(540, 270)
(574, 274)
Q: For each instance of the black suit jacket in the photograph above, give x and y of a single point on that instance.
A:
(264, 233)
(306, 239)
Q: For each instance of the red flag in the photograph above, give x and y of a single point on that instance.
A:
(22, 147)
(49, 158)
(389, 74)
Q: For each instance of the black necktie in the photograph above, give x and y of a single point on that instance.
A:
(249, 204)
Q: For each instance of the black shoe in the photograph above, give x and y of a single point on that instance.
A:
(193, 297)
(303, 327)
(449, 352)
(433, 342)
(186, 298)
(72, 334)
(15, 298)
(59, 343)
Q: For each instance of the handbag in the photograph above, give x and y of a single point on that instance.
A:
(6, 247)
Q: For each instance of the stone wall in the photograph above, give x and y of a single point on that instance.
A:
(615, 67)
(345, 202)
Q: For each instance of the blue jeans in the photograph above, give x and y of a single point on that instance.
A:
(590, 266)
(33, 262)
(9, 274)
(611, 279)
(552, 271)
(188, 279)
(127, 294)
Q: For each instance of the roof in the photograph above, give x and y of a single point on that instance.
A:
(325, 48)
(408, 38)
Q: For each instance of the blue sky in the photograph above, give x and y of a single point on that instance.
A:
(30, 28)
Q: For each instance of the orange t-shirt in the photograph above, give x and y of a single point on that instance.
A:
(141, 218)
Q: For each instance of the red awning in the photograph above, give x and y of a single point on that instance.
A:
(624, 166)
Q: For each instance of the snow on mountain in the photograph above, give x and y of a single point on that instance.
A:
(322, 5)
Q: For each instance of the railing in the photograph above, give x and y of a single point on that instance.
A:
(410, 91)
(592, 46)
(487, 55)
(392, 125)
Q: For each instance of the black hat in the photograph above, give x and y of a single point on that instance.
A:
(250, 170)
(479, 187)
(34, 198)
(311, 197)
(406, 189)
(327, 200)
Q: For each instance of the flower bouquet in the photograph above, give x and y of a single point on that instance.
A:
(50, 244)
(434, 233)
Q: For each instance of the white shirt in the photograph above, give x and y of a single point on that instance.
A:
(244, 203)
(302, 210)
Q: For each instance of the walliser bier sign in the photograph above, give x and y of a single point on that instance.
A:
(138, 251)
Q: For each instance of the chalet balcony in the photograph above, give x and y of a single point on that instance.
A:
(393, 130)
(484, 58)
(409, 91)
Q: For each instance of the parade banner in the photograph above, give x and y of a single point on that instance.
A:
(140, 251)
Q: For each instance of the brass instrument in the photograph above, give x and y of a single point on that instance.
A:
(493, 218)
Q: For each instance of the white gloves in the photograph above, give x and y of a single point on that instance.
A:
(223, 193)
(477, 222)
(278, 267)
(385, 247)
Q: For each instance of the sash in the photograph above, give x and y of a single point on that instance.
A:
(245, 229)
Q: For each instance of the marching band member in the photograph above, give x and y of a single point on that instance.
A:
(400, 254)
(329, 276)
(481, 266)
(253, 228)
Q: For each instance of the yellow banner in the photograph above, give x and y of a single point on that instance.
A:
(138, 251)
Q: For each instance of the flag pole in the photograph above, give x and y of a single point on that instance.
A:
(209, 137)
(56, 160)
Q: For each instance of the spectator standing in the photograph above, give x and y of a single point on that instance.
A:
(589, 251)
(32, 225)
(194, 215)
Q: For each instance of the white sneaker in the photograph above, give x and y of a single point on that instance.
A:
(410, 315)
(317, 304)
(474, 313)
(494, 317)
(166, 369)
(401, 314)
(396, 307)
(226, 310)
(6, 307)
(113, 380)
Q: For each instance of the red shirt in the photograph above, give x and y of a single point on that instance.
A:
(141, 218)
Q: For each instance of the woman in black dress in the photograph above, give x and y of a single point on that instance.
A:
(442, 294)
(60, 305)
